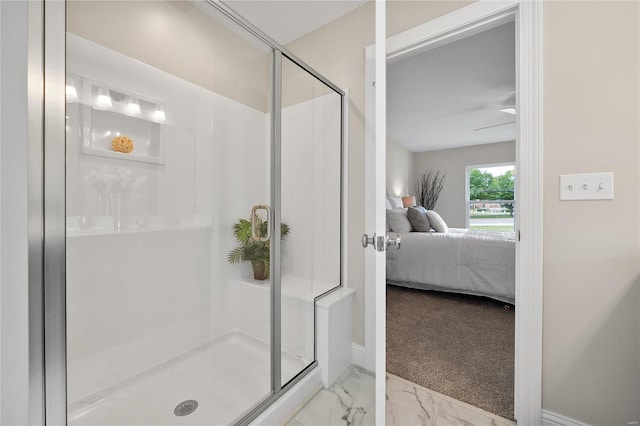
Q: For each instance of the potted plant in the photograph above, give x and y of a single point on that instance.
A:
(250, 250)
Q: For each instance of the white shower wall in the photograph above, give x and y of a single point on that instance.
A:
(142, 296)
(311, 158)
(138, 298)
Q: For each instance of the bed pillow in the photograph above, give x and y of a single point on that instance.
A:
(396, 202)
(436, 221)
(398, 222)
(388, 204)
(418, 218)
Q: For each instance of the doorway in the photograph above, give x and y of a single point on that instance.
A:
(447, 287)
(461, 23)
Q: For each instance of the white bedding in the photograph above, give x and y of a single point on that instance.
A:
(466, 261)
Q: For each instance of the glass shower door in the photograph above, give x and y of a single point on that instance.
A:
(311, 179)
(168, 152)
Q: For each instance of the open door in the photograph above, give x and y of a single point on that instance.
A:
(375, 240)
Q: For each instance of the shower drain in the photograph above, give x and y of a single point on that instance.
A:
(185, 408)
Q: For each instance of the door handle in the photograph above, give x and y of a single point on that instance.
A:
(381, 243)
(366, 240)
(394, 241)
(378, 242)
(255, 236)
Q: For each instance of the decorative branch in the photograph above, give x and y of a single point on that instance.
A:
(428, 188)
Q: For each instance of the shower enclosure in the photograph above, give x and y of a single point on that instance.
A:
(202, 216)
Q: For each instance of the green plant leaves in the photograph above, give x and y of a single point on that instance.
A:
(250, 250)
(236, 255)
(242, 230)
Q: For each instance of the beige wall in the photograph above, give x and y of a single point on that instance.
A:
(452, 204)
(399, 169)
(176, 37)
(591, 248)
(405, 14)
(337, 50)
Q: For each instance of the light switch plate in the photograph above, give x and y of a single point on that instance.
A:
(588, 186)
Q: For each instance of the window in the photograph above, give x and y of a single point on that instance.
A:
(491, 197)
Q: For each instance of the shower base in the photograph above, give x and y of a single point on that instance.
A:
(225, 377)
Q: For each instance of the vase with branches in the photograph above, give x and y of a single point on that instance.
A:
(251, 250)
(428, 188)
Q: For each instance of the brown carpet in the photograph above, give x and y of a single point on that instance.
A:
(461, 346)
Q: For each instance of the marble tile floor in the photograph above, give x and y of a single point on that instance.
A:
(351, 402)
(408, 404)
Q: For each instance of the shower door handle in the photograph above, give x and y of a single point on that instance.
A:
(254, 234)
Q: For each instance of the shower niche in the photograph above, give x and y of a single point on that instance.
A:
(116, 124)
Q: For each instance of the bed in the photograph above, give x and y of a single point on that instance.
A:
(468, 261)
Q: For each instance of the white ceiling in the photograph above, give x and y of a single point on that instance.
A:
(288, 20)
(437, 99)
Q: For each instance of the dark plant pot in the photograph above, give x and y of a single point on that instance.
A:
(260, 271)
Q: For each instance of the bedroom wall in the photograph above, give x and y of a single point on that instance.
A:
(591, 337)
(399, 169)
(452, 204)
(339, 52)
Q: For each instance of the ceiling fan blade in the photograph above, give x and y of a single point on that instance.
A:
(495, 125)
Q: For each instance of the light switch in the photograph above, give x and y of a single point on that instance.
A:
(588, 186)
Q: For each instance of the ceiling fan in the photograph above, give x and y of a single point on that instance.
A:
(508, 110)
(494, 125)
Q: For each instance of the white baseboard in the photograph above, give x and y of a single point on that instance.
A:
(550, 418)
(359, 356)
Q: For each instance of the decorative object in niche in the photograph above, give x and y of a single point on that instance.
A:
(113, 192)
(122, 144)
(428, 188)
(256, 252)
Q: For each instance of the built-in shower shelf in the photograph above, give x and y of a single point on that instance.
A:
(293, 287)
(103, 152)
(102, 229)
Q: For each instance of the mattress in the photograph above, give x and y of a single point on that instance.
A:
(467, 261)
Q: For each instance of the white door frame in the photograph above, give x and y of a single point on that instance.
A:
(466, 21)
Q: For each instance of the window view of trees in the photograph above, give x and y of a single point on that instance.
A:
(491, 198)
(484, 186)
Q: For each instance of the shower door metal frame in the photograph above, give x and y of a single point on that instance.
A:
(54, 213)
(48, 331)
(276, 121)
